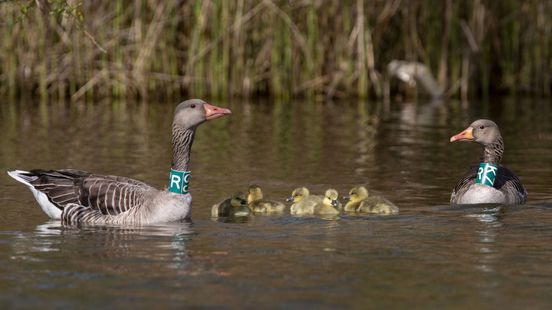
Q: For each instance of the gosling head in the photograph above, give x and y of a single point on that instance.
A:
(358, 193)
(299, 194)
(238, 200)
(255, 193)
(331, 197)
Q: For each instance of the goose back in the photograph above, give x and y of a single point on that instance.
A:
(110, 195)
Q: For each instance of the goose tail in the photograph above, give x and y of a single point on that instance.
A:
(26, 177)
(23, 176)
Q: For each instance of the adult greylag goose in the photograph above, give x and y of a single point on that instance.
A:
(361, 201)
(82, 197)
(234, 206)
(490, 182)
(257, 204)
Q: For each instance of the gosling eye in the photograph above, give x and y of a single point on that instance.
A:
(481, 127)
(192, 105)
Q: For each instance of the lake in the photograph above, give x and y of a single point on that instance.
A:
(430, 255)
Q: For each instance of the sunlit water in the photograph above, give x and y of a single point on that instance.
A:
(430, 255)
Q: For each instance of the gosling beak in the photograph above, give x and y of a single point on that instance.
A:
(346, 197)
(212, 112)
(335, 203)
(466, 135)
(289, 199)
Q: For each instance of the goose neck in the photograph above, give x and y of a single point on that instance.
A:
(493, 152)
(182, 139)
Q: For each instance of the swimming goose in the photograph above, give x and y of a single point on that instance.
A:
(257, 204)
(236, 205)
(81, 197)
(360, 201)
(490, 182)
(303, 201)
(330, 203)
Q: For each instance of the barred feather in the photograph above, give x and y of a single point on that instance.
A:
(110, 195)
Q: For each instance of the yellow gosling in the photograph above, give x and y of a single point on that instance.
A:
(329, 205)
(303, 202)
(257, 204)
(361, 202)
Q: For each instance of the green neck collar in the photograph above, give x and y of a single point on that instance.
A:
(486, 174)
(179, 181)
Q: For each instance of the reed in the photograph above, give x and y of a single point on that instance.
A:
(61, 49)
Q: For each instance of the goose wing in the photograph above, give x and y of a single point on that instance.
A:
(110, 195)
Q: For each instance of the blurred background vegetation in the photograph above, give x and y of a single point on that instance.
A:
(213, 48)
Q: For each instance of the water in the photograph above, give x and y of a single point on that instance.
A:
(429, 255)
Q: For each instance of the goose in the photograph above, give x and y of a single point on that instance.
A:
(303, 202)
(361, 202)
(330, 203)
(414, 73)
(257, 204)
(76, 196)
(236, 205)
(490, 182)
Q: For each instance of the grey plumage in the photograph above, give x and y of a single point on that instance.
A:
(507, 187)
(81, 197)
(414, 73)
(506, 182)
(110, 195)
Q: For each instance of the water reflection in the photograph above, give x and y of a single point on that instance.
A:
(366, 137)
(232, 219)
(490, 217)
(496, 257)
(105, 244)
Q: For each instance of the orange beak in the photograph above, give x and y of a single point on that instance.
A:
(212, 112)
(466, 135)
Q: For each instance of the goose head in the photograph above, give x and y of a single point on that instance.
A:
(331, 198)
(299, 194)
(255, 193)
(193, 112)
(237, 200)
(482, 131)
(358, 193)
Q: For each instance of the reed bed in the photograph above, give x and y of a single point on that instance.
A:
(62, 49)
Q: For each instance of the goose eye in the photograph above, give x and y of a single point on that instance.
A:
(192, 106)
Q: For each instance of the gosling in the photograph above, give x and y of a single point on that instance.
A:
(303, 202)
(234, 206)
(330, 203)
(361, 202)
(257, 204)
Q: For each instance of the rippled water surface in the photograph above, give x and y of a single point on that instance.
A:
(430, 255)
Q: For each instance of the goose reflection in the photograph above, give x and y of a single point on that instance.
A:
(490, 218)
(112, 249)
